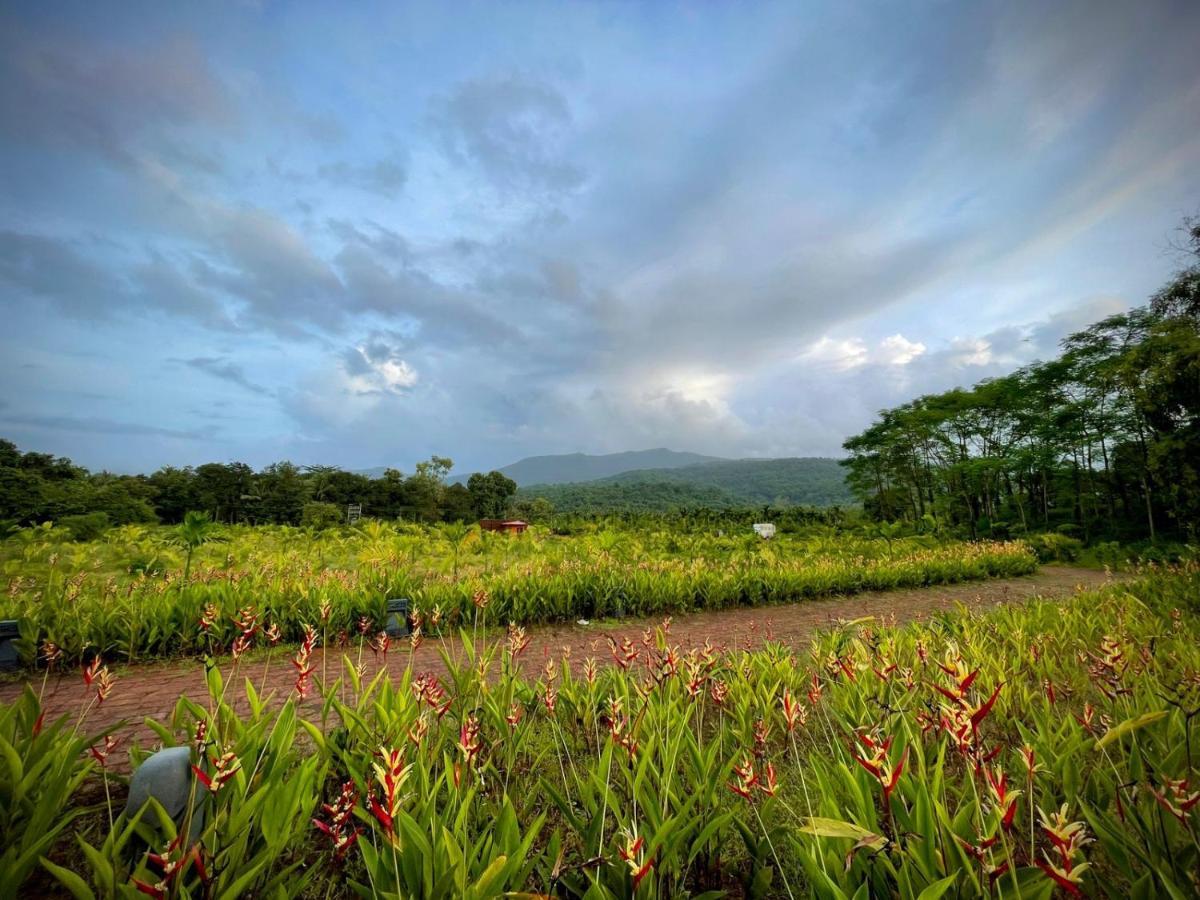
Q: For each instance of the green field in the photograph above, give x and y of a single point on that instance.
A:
(137, 593)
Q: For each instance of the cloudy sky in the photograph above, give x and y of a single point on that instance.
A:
(358, 235)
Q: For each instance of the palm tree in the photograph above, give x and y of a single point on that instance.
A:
(456, 534)
(196, 530)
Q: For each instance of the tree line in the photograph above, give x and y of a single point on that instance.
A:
(1102, 441)
(39, 487)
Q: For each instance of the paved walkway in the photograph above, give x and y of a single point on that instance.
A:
(152, 689)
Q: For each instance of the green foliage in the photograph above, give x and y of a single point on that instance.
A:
(1053, 547)
(140, 592)
(1103, 441)
(805, 481)
(322, 515)
(86, 527)
(976, 755)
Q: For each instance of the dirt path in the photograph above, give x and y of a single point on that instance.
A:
(151, 690)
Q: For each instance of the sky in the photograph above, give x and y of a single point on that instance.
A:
(360, 235)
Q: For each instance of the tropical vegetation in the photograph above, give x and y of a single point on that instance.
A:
(1033, 750)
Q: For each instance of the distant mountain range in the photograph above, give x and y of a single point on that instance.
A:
(797, 481)
(662, 479)
(570, 467)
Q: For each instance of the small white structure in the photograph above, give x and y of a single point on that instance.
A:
(765, 530)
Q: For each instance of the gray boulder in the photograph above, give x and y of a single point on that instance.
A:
(167, 777)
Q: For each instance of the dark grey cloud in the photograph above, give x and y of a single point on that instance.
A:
(72, 91)
(514, 128)
(40, 268)
(96, 425)
(222, 368)
(384, 176)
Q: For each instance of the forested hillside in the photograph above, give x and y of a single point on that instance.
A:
(803, 481)
(1102, 440)
(625, 496)
(564, 468)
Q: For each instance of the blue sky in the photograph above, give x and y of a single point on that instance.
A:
(362, 234)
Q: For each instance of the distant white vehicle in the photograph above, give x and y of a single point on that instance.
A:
(765, 530)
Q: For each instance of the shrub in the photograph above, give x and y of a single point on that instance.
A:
(321, 515)
(85, 527)
(1051, 547)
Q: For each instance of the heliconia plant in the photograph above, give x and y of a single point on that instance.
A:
(224, 595)
(915, 761)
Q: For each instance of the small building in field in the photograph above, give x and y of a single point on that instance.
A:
(508, 526)
(765, 530)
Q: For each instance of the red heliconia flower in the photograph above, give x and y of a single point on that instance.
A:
(419, 728)
(340, 828)
(957, 692)
(325, 610)
(272, 634)
(51, 653)
(518, 640)
(101, 754)
(240, 645)
(814, 690)
(719, 691)
(745, 780)
(301, 661)
(768, 784)
(1067, 840)
(632, 852)
(617, 725)
(515, 713)
(884, 670)
(224, 769)
(171, 864)
(391, 774)
(91, 670)
(1029, 757)
(480, 598)
(380, 643)
(427, 688)
(364, 625)
(1086, 720)
(104, 685)
(1048, 687)
(1176, 799)
(762, 731)
(625, 654)
(589, 670)
(551, 697)
(209, 617)
(1006, 800)
(877, 763)
(200, 736)
(793, 713)
(468, 739)
(246, 621)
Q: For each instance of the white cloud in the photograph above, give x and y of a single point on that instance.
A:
(392, 375)
(898, 350)
(970, 351)
(854, 353)
(838, 355)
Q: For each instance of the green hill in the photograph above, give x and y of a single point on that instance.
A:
(633, 496)
(796, 481)
(567, 468)
(723, 484)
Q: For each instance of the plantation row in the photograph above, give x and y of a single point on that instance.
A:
(1030, 750)
(86, 597)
